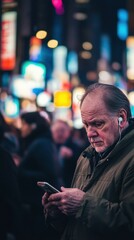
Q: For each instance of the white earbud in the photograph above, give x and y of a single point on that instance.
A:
(120, 119)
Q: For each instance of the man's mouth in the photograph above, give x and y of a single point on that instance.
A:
(96, 143)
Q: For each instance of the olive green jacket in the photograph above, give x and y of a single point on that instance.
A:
(107, 211)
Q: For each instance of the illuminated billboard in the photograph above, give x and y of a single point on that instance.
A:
(8, 40)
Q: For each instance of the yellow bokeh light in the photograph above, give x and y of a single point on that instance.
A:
(130, 74)
(62, 99)
(130, 41)
(52, 43)
(85, 55)
(41, 34)
(87, 45)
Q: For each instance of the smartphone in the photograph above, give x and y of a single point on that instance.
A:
(47, 187)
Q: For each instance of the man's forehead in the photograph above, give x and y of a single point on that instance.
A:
(93, 106)
(91, 116)
(95, 95)
(92, 110)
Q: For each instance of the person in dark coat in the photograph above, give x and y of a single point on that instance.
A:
(11, 221)
(38, 163)
(8, 138)
(68, 149)
(11, 218)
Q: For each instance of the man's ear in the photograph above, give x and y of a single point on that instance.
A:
(122, 119)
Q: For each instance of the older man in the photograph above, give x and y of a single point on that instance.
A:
(100, 204)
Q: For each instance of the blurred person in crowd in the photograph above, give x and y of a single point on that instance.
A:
(11, 221)
(68, 150)
(38, 163)
(100, 203)
(9, 140)
(79, 136)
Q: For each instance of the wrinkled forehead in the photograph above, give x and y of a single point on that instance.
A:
(93, 105)
(94, 99)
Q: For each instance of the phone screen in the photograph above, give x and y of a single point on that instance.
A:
(47, 187)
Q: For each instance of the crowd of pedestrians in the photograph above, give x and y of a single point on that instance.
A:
(41, 150)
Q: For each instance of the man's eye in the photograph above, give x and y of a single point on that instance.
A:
(98, 124)
(94, 124)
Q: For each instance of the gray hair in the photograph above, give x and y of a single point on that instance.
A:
(112, 96)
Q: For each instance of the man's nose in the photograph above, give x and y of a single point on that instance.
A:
(91, 132)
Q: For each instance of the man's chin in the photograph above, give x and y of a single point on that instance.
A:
(100, 149)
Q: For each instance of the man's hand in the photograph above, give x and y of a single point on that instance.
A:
(67, 201)
(49, 209)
